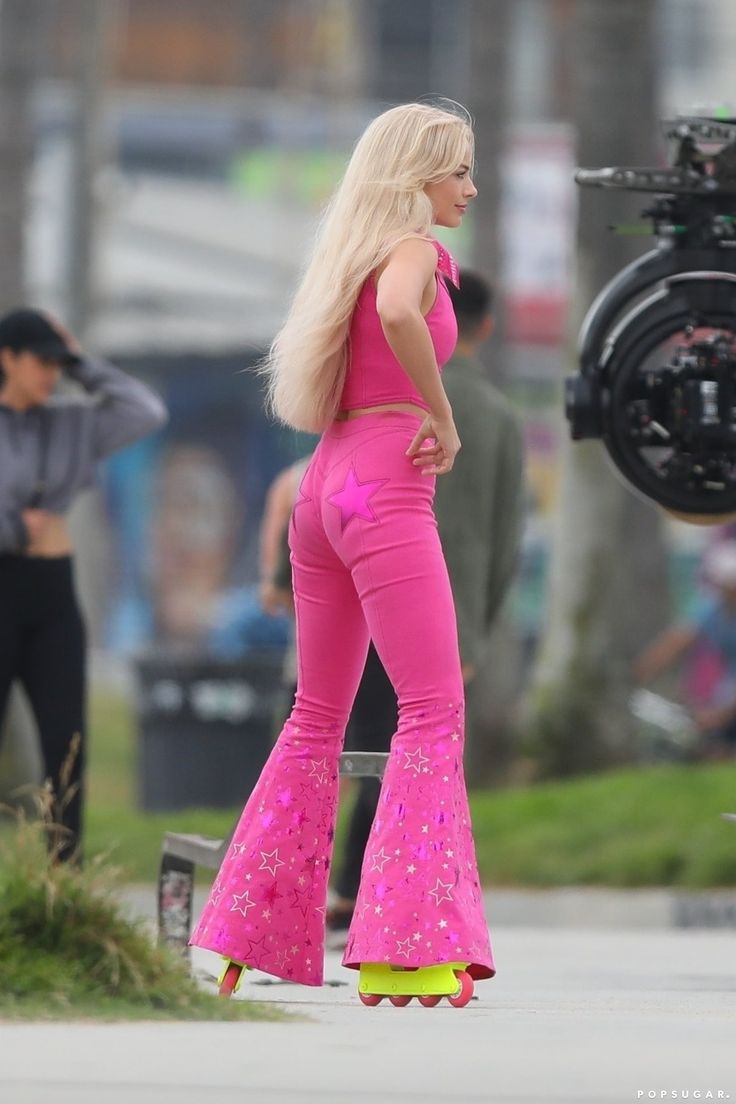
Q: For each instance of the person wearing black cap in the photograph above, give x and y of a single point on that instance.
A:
(48, 451)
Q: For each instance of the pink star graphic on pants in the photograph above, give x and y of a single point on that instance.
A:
(353, 500)
(301, 500)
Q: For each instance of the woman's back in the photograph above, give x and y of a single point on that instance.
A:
(374, 375)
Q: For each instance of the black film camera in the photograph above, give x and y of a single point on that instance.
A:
(657, 376)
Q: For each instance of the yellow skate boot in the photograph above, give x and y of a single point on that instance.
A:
(231, 977)
(428, 983)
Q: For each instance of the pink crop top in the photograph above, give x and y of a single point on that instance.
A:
(374, 375)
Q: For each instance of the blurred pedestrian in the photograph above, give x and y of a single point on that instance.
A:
(280, 499)
(358, 359)
(254, 618)
(276, 593)
(479, 510)
(707, 640)
(48, 450)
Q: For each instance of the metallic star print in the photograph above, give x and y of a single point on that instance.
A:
(441, 892)
(419, 897)
(271, 861)
(379, 861)
(216, 894)
(319, 770)
(242, 903)
(415, 760)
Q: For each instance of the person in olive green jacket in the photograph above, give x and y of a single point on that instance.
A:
(479, 510)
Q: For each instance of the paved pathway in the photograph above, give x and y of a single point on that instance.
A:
(595, 1016)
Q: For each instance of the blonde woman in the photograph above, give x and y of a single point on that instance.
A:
(359, 359)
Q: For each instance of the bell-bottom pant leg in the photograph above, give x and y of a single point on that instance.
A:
(267, 905)
(419, 901)
(366, 557)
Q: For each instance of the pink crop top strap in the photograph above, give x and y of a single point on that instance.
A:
(374, 375)
(446, 263)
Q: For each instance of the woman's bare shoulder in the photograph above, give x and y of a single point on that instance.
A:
(416, 245)
(415, 250)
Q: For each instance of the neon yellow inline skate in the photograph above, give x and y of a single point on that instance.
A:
(428, 983)
(231, 978)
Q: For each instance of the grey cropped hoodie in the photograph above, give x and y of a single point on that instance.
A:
(48, 453)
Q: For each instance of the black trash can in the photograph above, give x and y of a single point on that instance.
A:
(204, 728)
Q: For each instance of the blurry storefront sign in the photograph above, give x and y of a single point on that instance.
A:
(538, 228)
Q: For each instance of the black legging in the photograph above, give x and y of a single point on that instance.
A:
(373, 721)
(42, 644)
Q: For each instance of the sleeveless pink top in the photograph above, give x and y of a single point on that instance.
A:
(374, 375)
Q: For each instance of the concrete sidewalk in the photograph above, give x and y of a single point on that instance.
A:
(573, 1016)
(577, 1013)
(635, 909)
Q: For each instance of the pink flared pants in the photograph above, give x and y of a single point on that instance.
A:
(367, 562)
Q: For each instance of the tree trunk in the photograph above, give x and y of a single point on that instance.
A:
(605, 543)
(94, 21)
(19, 24)
(490, 47)
(19, 35)
(491, 695)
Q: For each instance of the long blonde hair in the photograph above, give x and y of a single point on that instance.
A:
(379, 202)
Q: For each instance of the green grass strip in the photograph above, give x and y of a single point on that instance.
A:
(67, 951)
(645, 826)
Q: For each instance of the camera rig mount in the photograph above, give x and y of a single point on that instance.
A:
(657, 349)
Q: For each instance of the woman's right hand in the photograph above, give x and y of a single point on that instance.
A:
(276, 600)
(47, 533)
(436, 459)
(36, 523)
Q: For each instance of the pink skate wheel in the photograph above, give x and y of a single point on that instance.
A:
(465, 990)
(430, 1001)
(230, 979)
(370, 999)
(400, 1002)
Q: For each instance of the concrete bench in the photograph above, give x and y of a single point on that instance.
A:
(181, 853)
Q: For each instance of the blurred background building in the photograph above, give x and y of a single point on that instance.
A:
(178, 155)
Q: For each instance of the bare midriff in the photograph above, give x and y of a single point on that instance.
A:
(54, 541)
(404, 408)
